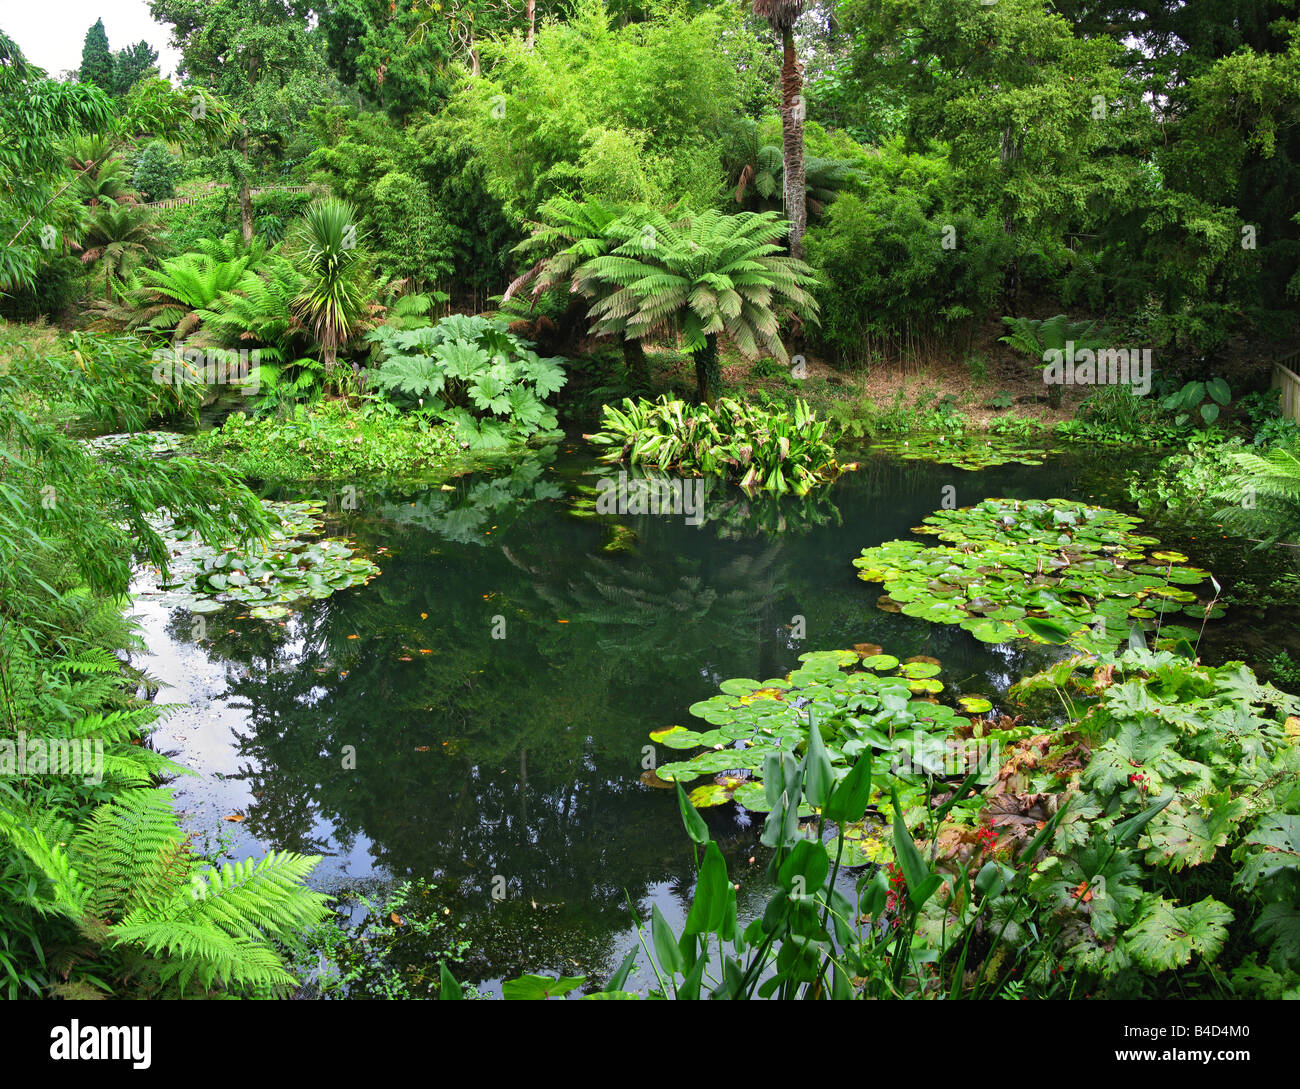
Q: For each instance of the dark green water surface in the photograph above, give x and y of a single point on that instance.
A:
(512, 765)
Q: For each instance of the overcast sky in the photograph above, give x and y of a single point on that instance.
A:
(52, 32)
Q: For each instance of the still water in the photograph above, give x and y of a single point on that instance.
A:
(478, 714)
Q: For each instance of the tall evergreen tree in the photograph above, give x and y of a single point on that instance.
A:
(96, 60)
(130, 65)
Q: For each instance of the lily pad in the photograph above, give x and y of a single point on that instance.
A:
(883, 663)
(1046, 570)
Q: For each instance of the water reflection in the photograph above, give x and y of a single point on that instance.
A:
(477, 715)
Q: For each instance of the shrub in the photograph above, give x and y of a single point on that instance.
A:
(472, 372)
(156, 172)
(330, 441)
(888, 280)
(774, 451)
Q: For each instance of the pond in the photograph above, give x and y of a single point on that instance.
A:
(477, 715)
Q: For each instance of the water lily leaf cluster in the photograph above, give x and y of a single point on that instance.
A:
(1053, 571)
(969, 452)
(859, 700)
(158, 443)
(292, 564)
(783, 451)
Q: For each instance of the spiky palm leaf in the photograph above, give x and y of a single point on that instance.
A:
(332, 302)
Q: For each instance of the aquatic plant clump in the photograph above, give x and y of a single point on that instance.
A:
(963, 452)
(285, 568)
(778, 452)
(1050, 570)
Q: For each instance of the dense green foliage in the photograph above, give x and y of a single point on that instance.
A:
(330, 442)
(765, 451)
(391, 239)
(1056, 871)
(472, 373)
(101, 891)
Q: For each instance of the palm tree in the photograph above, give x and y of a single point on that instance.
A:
(118, 236)
(760, 174)
(782, 15)
(332, 304)
(700, 276)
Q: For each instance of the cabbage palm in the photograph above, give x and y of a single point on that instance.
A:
(332, 303)
(700, 276)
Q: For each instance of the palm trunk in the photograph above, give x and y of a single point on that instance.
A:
(792, 115)
(706, 370)
(245, 193)
(1009, 152)
(634, 360)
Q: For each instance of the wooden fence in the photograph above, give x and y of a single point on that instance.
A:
(177, 202)
(1287, 382)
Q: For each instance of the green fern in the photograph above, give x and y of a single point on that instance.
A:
(1263, 495)
(701, 276)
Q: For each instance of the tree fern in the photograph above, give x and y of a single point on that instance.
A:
(701, 277)
(1263, 496)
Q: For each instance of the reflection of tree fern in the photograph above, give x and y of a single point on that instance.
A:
(673, 615)
(1264, 494)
